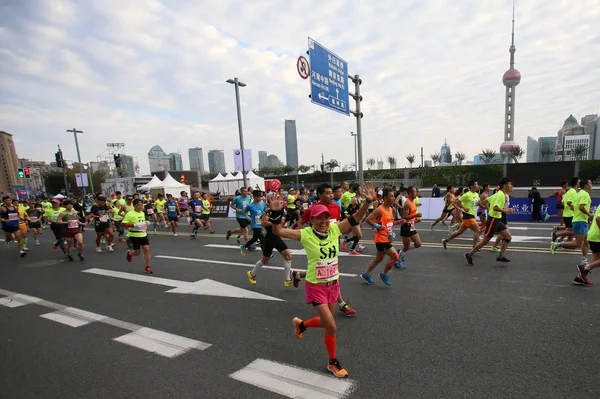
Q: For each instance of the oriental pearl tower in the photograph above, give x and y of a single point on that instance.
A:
(511, 79)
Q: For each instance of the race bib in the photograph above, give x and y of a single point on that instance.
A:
(305, 206)
(333, 221)
(412, 226)
(327, 269)
(13, 216)
(474, 205)
(197, 209)
(172, 208)
(150, 211)
(104, 218)
(88, 209)
(389, 227)
(54, 217)
(73, 224)
(33, 219)
(258, 219)
(143, 227)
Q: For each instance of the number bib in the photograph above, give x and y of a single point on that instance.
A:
(143, 227)
(13, 216)
(73, 224)
(150, 211)
(258, 220)
(104, 218)
(327, 269)
(197, 209)
(33, 219)
(412, 226)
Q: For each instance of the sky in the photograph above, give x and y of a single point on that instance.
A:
(147, 72)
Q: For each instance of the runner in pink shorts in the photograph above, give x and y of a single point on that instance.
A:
(321, 242)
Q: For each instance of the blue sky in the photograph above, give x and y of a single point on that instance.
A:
(153, 72)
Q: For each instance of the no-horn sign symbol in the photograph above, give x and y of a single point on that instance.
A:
(303, 67)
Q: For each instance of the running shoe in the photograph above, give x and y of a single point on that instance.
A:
(243, 249)
(37, 242)
(361, 248)
(128, 256)
(347, 310)
(399, 265)
(584, 261)
(80, 255)
(353, 252)
(503, 259)
(174, 234)
(227, 234)
(69, 258)
(403, 257)
(251, 278)
(495, 249)
(582, 274)
(97, 249)
(344, 245)
(25, 249)
(432, 227)
(288, 283)
(110, 248)
(212, 232)
(296, 278)
(193, 235)
(469, 258)
(367, 278)
(552, 247)
(577, 280)
(148, 270)
(554, 231)
(296, 322)
(547, 217)
(23, 253)
(445, 243)
(336, 369)
(121, 239)
(385, 278)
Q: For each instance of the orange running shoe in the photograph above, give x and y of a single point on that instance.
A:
(297, 331)
(336, 369)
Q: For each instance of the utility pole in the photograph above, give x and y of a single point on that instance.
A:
(238, 84)
(75, 131)
(62, 161)
(358, 98)
(421, 156)
(89, 165)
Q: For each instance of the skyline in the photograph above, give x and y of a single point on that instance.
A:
(119, 84)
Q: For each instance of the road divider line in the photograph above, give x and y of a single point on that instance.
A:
(73, 317)
(293, 251)
(160, 342)
(293, 382)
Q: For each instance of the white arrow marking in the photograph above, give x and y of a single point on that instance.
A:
(323, 97)
(337, 92)
(201, 287)
(292, 251)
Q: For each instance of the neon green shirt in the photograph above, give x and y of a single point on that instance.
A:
(322, 254)
(346, 199)
(160, 206)
(55, 212)
(594, 233)
(583, 198)
(133, 217)
(497, 199)
(469, 201)
(570, 196)
(205, 204)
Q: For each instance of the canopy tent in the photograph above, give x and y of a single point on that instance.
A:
(172, 186)
(59, 196)
(216, 184)
(154, 182)
(232, 183)
(254, 180)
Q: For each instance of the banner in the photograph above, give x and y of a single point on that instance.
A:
(237, 160)
(81, 179)
(221, 209)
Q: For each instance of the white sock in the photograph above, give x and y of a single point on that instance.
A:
(287, 267)
(257, 267)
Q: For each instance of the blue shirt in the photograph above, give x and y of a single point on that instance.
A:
(196, 206)
(171, 207)
(240, 203)
(339, 203)
(256, 212)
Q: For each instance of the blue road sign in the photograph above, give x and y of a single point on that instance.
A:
(328, 78)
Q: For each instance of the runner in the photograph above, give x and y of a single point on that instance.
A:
(291, 207)
(34, 220)
(9, 218)
(135, 221)
(100, 214)
(568, 203)
(183, 206)
(593, 237)
(321, 242)
(22, 210)
(408, 231)
(118, 213)
(449, 199)
(238, 204)
(495, 225)
(160, 210)
(195, 206)
(56, 228)
(150, 211)
(581, 217)
(467, 203)
(351, 203)
(205, 216)
(69, 218)
(172, 208)
(559, 206)
(255, 210)
(269, 242)
(382, 220)
(483, 206)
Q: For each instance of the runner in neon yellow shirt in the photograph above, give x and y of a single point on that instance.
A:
(321, 243)
(568, 203)
(594, 242)
(581, 217)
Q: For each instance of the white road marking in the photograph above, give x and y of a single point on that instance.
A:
(73, 317)
(250, 265)
(293, 382)
(160, 342)
(292, 251)
(148, 339)
(539, 239)
(201, 287)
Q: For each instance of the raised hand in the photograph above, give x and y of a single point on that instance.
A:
(276, 203)
(369, 191)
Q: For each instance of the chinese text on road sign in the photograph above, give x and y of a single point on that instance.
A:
(328, 78)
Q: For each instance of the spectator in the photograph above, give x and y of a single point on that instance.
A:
(537, 201)
(435, 193)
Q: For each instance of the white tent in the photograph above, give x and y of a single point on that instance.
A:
(151, 184)
(254, 180)
(172, 186)
(232, 183)
(58, 196)
(216, 184)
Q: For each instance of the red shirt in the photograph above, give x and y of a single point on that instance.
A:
(334, 211)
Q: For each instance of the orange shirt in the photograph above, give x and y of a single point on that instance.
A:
(387, 221)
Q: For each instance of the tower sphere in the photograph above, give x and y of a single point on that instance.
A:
(512, 77)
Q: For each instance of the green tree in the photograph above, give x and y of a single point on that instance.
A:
(579, 152)
(370, 163)
(287, 169)
(488, 156)
(436, 158)
(460, 157)
(411, 159)
(392, 161)
(304, 168)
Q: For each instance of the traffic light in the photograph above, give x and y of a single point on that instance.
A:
(27, 173)
(21, 174)
(59, 159)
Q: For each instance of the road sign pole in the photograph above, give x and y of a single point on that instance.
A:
(75, 131)
(64, 172)
(357, 97)
(91, 173)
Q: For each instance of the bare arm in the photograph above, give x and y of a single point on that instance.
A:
(374, 217)
(286, 233)
(344, 225)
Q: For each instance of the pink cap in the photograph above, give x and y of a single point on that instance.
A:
(318, 210)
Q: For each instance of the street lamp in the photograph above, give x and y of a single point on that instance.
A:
(237, 84)
(355, 135)
(75, 131)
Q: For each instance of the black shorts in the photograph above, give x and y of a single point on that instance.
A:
(568, 222)
(383, 246)
(36, 225)
(173, 218)
(243, 222)
(10, 229)
(205, 217)
(273, 242)
(503, 219)
(594, 246)
(101, 227)
(405, 230)
(560, 206)
(493, 227)
(137, 242)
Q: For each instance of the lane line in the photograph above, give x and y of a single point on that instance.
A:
(160, 342)
(293, 251)
(293, 382)
(73, 317)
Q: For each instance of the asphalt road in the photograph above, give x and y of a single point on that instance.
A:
(443, 329)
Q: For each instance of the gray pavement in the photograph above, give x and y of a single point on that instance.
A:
(443, 329)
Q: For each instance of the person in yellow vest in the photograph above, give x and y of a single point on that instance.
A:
(205, 215)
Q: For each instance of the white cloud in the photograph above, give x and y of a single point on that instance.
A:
(146, 73)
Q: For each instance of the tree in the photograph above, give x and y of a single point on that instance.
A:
(436, 158)
(579, 152)
(488, 155)
(287, 169)
(545, 152)
(55, 182)
(370, 162)
(392, 161)
(516, 153)
(411, 159)
(332, 164)
(304, 168)
(460, 157)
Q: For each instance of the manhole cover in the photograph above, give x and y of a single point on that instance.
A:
(44, 263)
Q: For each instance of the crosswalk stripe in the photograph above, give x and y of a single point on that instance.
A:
(15, 300)
(292, 381)
(160, 342)
(73, 317)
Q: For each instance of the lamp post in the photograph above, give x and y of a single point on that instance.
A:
(355, 135)
(75, 131)
(237, 85)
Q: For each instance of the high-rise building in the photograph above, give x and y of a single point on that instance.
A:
(273, 161)
(175, 161)
(291, 145)
(196, 160)
(511, 79)
(158, 159)
(570, 128)
(591, 126)
(216, 161)
(547, 148)
(9, 164)
(445, 154)
(533, 150)
(102, 166)
(262, 158)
